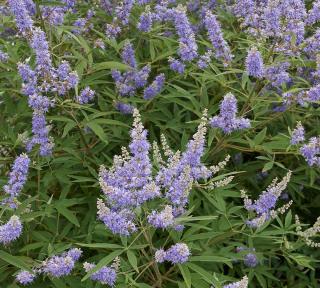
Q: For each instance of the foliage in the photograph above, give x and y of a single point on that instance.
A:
(57, 204)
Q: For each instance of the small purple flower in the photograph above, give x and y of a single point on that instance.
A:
(3, 57)
(105, 275)
(227, 120)
(11, 230)
(176, 65)
(240, 284)
(314, 13)
(86, 95)
(18, 175)
(146, 21)
(25, 277)
(205, 59)
(58, 266)
(124, 108)
(311, 151)
(250, 260)
(176, 254)
(127, 55)
(222, 49)
(297, 134)
(154, 88)
(277, 74)
(313, 95)
(163, 219)
(254, 63)
(21, 14)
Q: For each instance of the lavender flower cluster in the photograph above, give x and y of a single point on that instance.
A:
(264, 206)
(42, 80)
(129, 82)
(55, 267)
(130, 182)
(227, 120)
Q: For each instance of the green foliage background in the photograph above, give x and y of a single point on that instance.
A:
(62, 190)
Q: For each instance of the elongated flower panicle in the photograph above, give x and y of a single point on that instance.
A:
(58, 266)
(127, 55)
(254, 63)
(187, 44)
(146, 20)
(308, 233)
(311, 151)
(227, 120)
(18, 175)
(264, 206)
(25, 277)
(21, 14)
(128, 183)
(181, 170)
(106, 275)
(297, 134)
(11, 230)
(176, 254)
(240, 284)
(313, 15)
(40, 46)
(222, 50)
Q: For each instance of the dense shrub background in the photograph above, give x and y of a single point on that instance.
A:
(62, 189)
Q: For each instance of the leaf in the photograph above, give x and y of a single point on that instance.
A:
(67, 128)
(133, 260)
(14, 260)
(58, 283)
(207, 258)
(68, 214)
(186, 275)
(197, 218)
(260, 136)
(267, 166)
(206, 276)
(100, 245)
(98, 130)
(104, 261)
(110, 65)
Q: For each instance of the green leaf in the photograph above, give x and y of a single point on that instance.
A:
(267, 166)
(186, 275)
(133, 260)
(58, 283)
(98, 130)
(260, 136)
(197, 218)
(110, 65)
(206, 276)
(14, 260)
(68, 127)
(67, 213)
(100, 245)
(207, 258)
